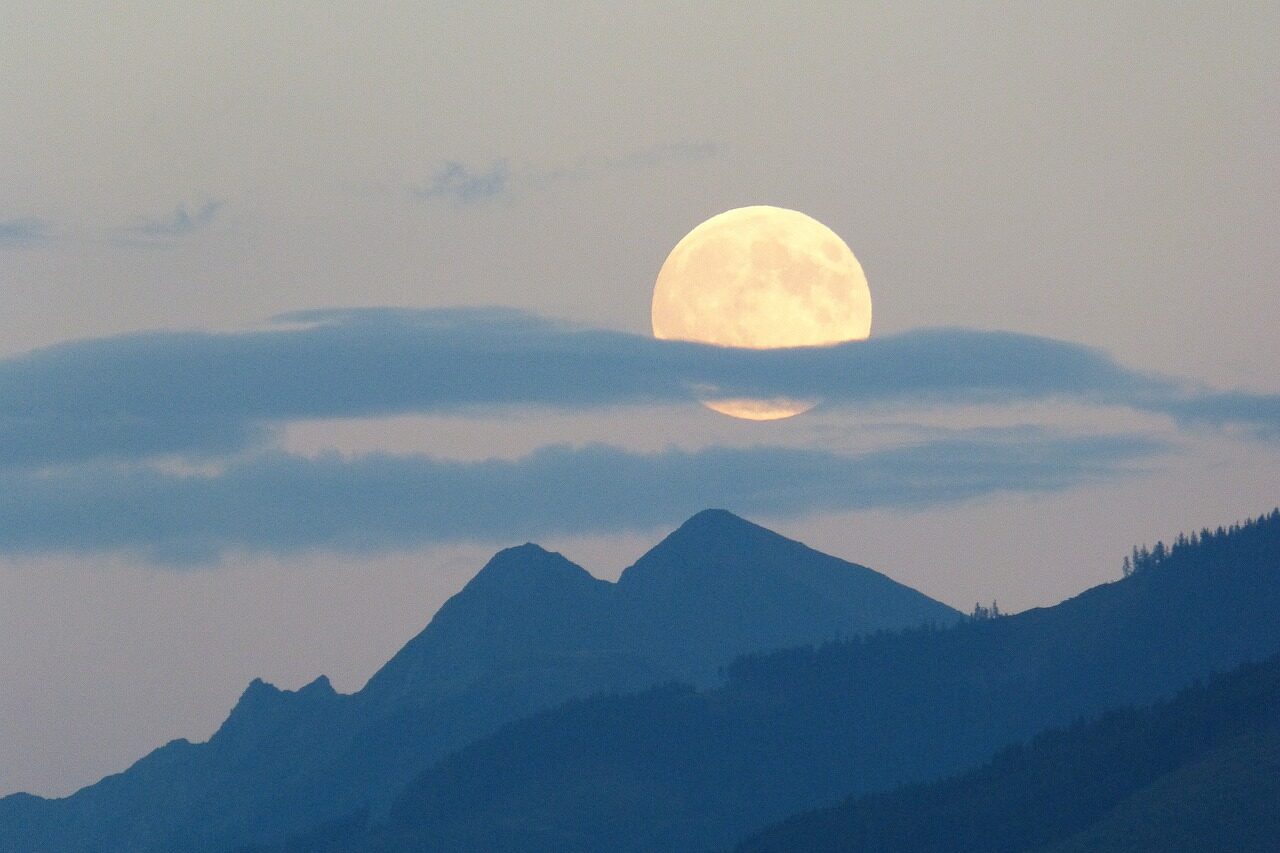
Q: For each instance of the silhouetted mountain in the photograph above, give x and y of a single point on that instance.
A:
(1201, 772)
(529, 632)
(717, 567)
(677, 769)
(526, 604)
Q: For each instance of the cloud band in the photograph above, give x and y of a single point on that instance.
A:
(279, 503)
(197, 393)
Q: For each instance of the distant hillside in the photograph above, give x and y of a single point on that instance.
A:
(529, 632)
(679, 769)
(1201, 772)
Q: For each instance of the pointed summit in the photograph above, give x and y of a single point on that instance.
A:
(720, 585)
(714, 540)
(526, 568)
(717, 524)
(714, 519)
(717, 529)
(526, 602)
(264, 708)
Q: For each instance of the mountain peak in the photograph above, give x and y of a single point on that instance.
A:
(716, 526)
(725, 585)
(320, 686)
(262, 705)
(259, 691)
(524, 598)
(715, 520)
(525, 566)
(714, 532)
(528, 549)
(715, 537)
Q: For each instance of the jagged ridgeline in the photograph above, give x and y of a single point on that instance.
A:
(529, 632)
(674, 768)
(461, 741)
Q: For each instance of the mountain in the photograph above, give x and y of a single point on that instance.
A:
(675, 768)
(528, 632)
(716, 568)
(1201, 772)
(525, 605)
(716, 587)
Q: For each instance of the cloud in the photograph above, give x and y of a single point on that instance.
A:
(87, 430)
(24, 232)
(459, 184)
(278, 503)
(201, 393)
(1258, 414)
(179, 223)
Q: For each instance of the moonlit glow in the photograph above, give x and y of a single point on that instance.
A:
(762, 277)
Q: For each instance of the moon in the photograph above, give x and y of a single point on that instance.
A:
(761, 277)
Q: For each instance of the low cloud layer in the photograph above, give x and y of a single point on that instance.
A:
(279, 503)
(202, 394)
(90, 430)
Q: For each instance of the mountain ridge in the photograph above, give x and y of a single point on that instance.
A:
(794, 729)
(528, 632)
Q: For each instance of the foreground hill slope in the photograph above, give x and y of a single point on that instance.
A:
(529, 632)
(1225, 801)
(678, 769)
(1201, 772)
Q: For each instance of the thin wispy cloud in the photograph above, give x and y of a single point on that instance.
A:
(278, 503)
(24, 232)
(458, 183)
(462, 184)
(200, 393)
(180, 222)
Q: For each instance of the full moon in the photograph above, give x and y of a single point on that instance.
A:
(761, 277)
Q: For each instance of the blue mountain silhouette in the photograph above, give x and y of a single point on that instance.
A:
(529, 632)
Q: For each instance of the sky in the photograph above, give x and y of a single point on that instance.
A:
(305, 310)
